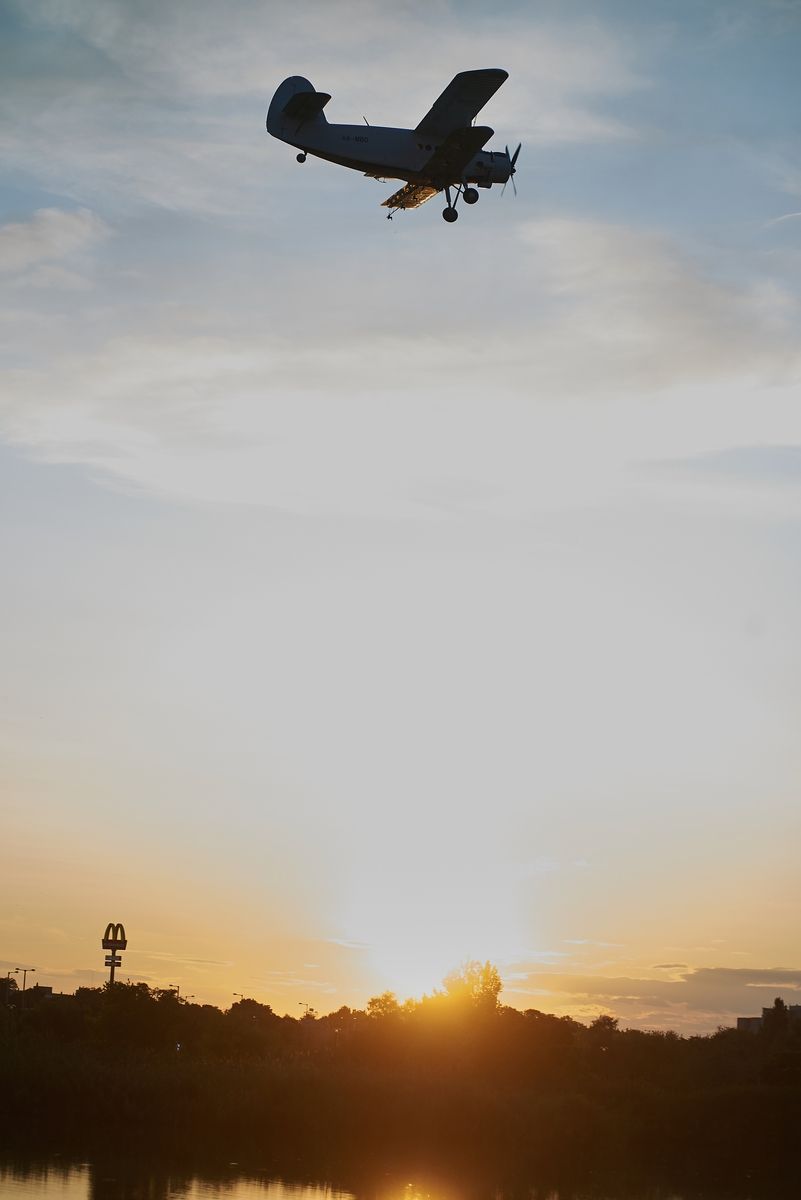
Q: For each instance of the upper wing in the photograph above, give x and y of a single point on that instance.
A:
(448, 162)
(463, 98)
(412, 195)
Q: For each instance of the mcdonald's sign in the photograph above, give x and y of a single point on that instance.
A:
(114, 938)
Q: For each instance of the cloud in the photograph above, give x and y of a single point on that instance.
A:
(51, 233)
(180, 960)
(644, 314)
(754, 465)
(54, 278)
(591, 942)
(192, 48)
(792, 216)
(217, 404)
(697, 1000)
(291, 981)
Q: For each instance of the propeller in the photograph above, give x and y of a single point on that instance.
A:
(512, 160)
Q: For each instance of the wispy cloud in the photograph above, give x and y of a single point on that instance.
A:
(666, 319)
(791, 216)
(290, 979)
(591, 942)
(51, 233)
(348, 945)
(181, 960)
(238, 416)
(754, 465)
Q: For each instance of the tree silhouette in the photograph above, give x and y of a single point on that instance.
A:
(603, 1029)
(474, 983)
(385, 1005)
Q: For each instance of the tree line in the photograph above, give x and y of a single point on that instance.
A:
(462, 1028)
(457, 1069)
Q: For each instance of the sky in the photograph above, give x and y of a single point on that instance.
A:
(382, 595)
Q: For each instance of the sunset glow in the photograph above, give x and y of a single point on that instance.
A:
(382, 596)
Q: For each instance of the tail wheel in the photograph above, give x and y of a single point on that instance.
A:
(301, 157)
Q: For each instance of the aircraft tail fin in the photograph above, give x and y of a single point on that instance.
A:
(294, 105)
(306, 106)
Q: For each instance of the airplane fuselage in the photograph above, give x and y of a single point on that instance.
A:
(391, 153)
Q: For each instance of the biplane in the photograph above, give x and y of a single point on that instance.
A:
(444, 153)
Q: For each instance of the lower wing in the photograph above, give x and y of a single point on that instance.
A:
(411, 195)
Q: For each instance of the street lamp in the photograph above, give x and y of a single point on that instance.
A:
(26, 971)
(13, 971)
(177, 988)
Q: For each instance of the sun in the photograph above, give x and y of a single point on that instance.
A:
(415, 935)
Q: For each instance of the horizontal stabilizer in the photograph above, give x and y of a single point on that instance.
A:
(412, 195)
(305, 106)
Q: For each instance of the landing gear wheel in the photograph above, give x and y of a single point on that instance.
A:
(301, 157)
(470, 195)
(450, 215)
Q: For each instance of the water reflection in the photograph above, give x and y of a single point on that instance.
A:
(51, 1181)
(115, 1179)
(57, 1180)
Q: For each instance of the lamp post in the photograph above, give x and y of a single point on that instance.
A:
(177, 988)
(13, 971)
(25, 972)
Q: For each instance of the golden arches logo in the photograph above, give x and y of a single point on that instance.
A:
(114, 938)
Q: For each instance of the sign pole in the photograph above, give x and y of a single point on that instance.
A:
(114, 940)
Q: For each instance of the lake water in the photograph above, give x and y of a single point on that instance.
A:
(58, 1180)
